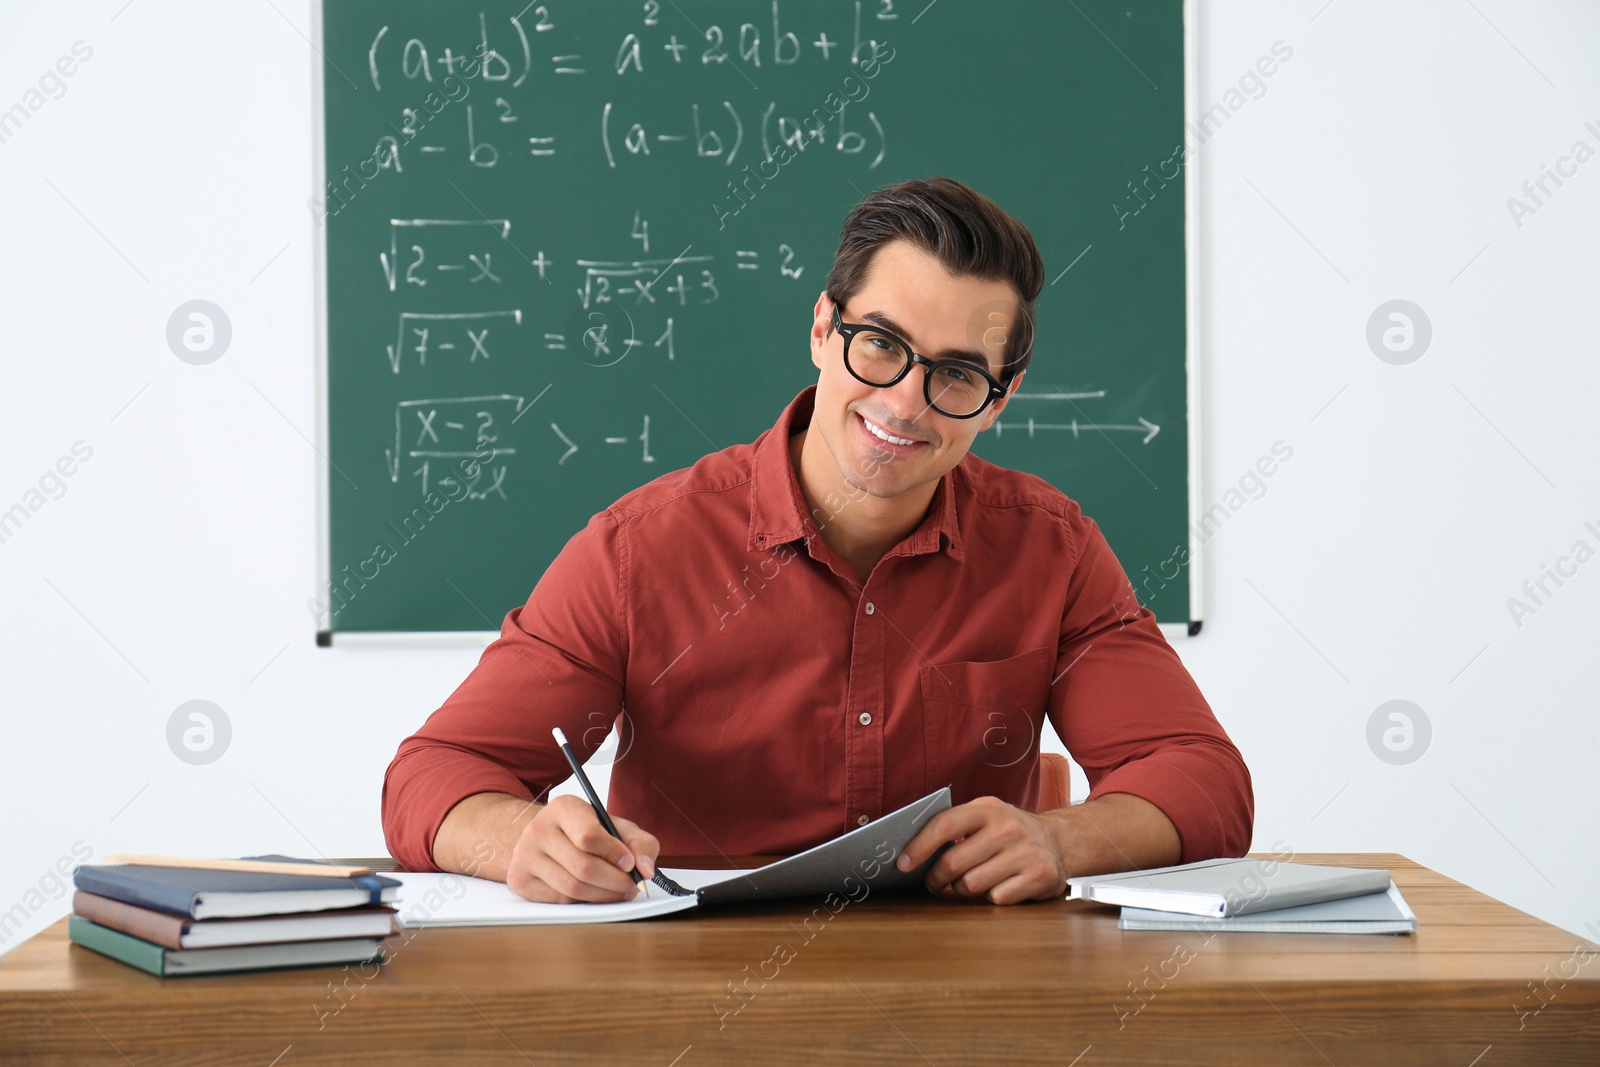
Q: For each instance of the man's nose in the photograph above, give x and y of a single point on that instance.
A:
(905, 399)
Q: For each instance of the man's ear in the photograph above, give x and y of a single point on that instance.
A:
(821, 323)
(995, 408)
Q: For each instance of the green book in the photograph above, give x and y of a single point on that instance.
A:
(172, 962)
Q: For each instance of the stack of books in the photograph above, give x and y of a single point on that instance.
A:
(172, 916)
(1252, 896)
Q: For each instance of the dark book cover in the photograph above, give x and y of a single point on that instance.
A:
(200, 893)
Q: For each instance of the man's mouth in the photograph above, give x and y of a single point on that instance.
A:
(879, 433)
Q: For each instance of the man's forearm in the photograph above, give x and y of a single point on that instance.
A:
(1116, 832)
(478, 835)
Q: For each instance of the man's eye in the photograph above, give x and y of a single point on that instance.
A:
(956, 374)
(881, 342)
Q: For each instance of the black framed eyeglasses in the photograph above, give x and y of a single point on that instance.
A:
(955, 388)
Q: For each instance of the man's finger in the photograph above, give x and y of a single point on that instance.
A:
(581, 826)
(947, 826)
(959, 859)
(979, 879)
(584, 875)
(1019, 888)
(541, 878)
(645, 847)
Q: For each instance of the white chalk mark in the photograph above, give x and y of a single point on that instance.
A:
(504, 225)
(1144, 426)
(471, 428)
(397, 350)
(571, 448)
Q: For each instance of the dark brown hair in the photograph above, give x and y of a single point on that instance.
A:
(968, 234)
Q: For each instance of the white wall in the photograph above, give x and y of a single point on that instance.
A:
(1376, 566)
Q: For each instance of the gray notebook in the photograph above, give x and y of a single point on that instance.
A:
(865, 855)
(848, 868)
(1370, 913)
(1225, 887)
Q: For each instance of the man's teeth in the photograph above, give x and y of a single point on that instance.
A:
(878, 432)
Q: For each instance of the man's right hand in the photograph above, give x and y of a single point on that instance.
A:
(564, 856)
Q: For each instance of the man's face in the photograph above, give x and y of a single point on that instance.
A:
(942, 316)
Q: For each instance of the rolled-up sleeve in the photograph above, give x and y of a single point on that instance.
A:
(1133, 718)
(559, 661)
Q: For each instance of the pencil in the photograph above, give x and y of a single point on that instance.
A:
(599, 808)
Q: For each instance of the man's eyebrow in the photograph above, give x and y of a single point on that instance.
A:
(878, 318)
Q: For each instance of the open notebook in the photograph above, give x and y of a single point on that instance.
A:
(856, 863)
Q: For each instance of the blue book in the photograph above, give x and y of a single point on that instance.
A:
(209, 894)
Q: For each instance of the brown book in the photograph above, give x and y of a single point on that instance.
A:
(182, 932)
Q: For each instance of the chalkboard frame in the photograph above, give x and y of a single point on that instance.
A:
(1192, 332)
(325, 638)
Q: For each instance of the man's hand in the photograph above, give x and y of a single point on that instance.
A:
(1006, 855)
(564, 856)
(1000, 853)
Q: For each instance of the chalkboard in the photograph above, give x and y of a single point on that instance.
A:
(555, 234)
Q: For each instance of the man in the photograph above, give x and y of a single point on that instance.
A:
(812, 630)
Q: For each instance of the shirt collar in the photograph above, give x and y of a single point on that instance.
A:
(778, 513)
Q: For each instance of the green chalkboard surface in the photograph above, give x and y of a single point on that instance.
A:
(554, 234)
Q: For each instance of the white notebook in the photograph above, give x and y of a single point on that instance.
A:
(1370, 913)
(853, 864)
(428, 899)
(1228, 887)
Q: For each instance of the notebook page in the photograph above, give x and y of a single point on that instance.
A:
(432, 899)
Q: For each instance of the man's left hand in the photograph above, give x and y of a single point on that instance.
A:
(999, 853)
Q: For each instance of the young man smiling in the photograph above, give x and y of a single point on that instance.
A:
(916, 615)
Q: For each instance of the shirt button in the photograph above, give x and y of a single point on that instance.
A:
(865, 718)
(870, 608)
(862, 820)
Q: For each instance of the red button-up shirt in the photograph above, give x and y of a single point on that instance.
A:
(770, 700)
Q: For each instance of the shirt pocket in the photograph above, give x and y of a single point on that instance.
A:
(980, 726)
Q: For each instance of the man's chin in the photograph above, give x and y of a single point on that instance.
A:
(858, 485)
(883, 485)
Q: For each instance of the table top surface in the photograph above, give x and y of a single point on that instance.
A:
(889, 978)
(1462, 935)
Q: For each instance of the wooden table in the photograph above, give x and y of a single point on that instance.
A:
(886, 980)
